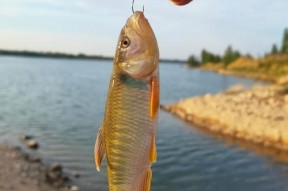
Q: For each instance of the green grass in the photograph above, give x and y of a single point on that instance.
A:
(271, 67)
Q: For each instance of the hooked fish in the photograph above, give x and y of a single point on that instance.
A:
(128, 133)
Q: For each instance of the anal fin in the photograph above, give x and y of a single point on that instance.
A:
(153, 150)
(99, 150)
(146, 182)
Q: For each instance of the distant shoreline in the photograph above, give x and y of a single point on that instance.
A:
(36, 54)
(59, 55)
(241, 75)
(271, 68)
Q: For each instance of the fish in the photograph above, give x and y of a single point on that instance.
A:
(181, 2)
(127, 136)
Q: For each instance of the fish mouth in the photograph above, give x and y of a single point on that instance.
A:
(139, 23)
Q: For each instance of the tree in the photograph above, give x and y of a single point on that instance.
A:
(205, 56)
(208, 57)
(230, 55)
(274, 49)
(248, 55)
(193, 61)
(216, 58)
(284, 48)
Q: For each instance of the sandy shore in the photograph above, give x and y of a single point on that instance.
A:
(258, 115)
(21, 172)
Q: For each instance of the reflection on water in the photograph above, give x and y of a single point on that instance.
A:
(62, 102)
(259, 149)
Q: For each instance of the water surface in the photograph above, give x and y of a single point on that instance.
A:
(61, 102)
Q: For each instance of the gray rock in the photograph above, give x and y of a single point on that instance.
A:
(76, 174)
(32, 144)
(74, 188)
(34, 159)
(65, 178)
(25, 137)
(55, 167)
(54, 175)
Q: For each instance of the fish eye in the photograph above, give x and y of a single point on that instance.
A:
(125, 42)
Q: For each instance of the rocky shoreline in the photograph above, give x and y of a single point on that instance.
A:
(22, 172)
(258, 115)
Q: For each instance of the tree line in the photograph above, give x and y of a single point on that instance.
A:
(284, 47)
(50, 54)
(230, 55)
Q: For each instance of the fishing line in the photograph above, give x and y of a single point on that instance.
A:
(133, 7)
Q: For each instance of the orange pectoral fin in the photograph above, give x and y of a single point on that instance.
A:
(99, 150)
(154, 96)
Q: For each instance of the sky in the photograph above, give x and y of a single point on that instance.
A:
(93, 26)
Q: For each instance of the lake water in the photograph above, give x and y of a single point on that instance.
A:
(61, 102)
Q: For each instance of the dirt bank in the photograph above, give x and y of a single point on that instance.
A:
(21, 172)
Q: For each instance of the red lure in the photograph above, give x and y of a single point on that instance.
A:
(181, 2)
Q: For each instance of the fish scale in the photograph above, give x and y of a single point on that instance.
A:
(134, 107)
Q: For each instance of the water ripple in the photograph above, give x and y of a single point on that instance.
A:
(61, 103)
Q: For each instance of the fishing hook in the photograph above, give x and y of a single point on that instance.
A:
(133, 7)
